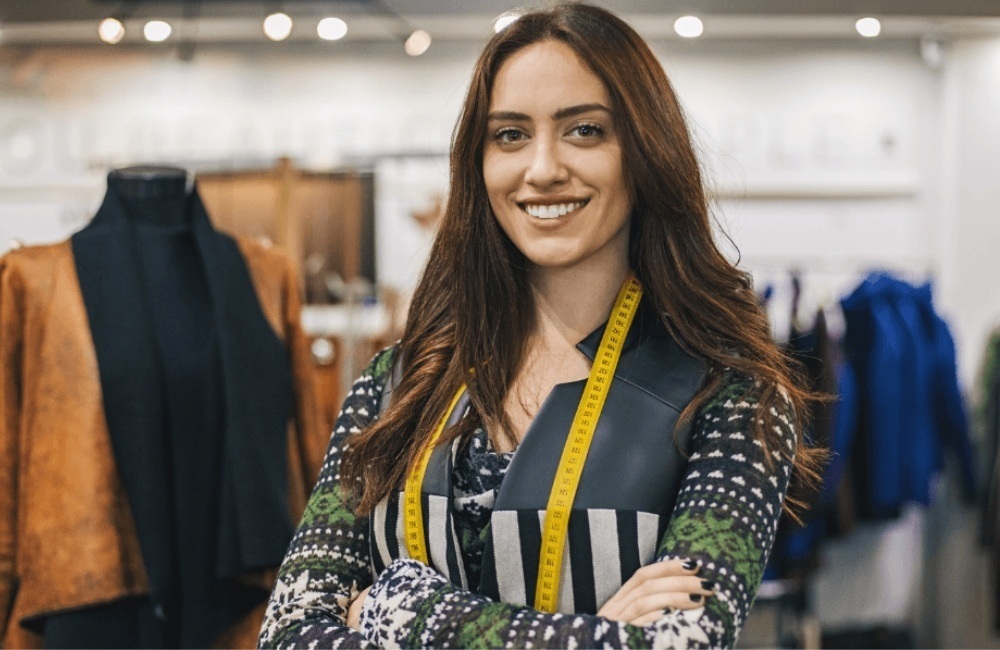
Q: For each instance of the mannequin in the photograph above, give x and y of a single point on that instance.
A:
(158, 429)
(176, 502)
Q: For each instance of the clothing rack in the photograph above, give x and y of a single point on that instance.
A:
(924, 266)
(794, 624)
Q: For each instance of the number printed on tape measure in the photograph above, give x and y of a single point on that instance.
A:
(574, 453)
(413, 514)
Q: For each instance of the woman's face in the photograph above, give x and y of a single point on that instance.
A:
(553, 161)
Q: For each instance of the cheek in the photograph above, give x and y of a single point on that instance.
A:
(501, 175)
(493, 175)
(609, 175)
(613, 171)
(496, 190)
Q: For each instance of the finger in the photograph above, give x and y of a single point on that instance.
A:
(611, 609)
(352, 617)
(354, 609)
(639, 605)
(673, 584)
(674, 588)
(660, 602)
(651, 617)
(676, 567)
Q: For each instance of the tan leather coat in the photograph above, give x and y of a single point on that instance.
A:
(67, 537)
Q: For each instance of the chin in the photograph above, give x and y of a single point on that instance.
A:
(551, 259)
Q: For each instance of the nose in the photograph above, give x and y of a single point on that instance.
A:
(546, 168)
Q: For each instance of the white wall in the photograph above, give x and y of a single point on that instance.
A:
(833, 156)
(970, 225)
(840, 126)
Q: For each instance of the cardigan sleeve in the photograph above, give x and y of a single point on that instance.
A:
(327, 563)
(11, 344)
(725, 517)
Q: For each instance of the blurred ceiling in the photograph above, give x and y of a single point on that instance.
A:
(73, 22)
(31, 11)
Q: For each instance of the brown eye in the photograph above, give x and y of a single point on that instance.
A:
(509, 136)
(587, 131)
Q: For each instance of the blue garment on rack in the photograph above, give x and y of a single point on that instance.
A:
(922, 450)
(845, 425)
(907, 406)
(874, 347)
(951, 416)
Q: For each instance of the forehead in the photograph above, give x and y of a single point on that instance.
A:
(543, 77)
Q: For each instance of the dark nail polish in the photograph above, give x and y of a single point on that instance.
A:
(696, 598)
(690, 565)
(707, 584)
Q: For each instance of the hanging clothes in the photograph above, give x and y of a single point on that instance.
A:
(907, 407)
(797, 545)
(96, 466)
(988, 424)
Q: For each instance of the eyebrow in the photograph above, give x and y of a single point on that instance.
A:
(561, 114)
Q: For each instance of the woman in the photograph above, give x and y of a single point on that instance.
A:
(575, 195)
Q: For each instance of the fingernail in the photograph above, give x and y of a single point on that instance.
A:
(690, 565)
(696, 598)
(707, 584)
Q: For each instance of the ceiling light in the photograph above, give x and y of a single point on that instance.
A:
(277, 26)
(868, 27)
(505, 20)
(111, 31)
(331, 29)
(689, 26)
(417, 43)
(156, 31)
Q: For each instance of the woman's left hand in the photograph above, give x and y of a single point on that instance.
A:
(671, 584)
(354, 613)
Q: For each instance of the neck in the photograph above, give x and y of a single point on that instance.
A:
(152, 196)
(572, 303)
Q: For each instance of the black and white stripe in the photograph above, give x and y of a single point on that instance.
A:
(604, 547)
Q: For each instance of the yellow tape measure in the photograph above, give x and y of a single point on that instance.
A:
(571, 463)
(413, 515)
(574, 454)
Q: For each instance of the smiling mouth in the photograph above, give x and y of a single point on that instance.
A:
(553, 210)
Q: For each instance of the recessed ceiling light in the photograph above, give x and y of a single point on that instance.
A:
(417, 43)
(689, 26)
(157, 31)
(331, 29)
(111, 31)
(868, 27)
(277, 26)
(505, 20)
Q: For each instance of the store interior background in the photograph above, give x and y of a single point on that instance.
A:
(826, 151)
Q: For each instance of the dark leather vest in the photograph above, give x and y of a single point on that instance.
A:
(627, 491)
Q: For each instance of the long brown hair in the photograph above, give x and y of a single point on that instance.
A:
(472, 307)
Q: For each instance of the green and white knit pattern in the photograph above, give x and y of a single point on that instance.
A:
(725, 517)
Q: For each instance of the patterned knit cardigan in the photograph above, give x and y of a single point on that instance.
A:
(719, 507)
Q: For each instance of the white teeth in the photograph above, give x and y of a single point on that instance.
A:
(553, 211)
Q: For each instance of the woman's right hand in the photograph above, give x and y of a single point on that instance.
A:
(671, 584)
(354, 611)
